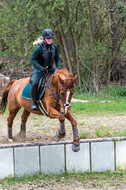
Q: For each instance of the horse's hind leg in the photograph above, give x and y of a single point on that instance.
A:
(10, 119)
(24, 118)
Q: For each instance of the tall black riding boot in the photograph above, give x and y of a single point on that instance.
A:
(34, 98)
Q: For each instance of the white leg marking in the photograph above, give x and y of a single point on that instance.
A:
(10, 140)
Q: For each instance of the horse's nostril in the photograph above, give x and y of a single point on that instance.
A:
(62, 112)
(67, 104)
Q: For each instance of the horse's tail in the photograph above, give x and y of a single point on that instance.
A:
(3, 102)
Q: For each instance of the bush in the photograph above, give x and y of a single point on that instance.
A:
(104, 92)
(117, 91)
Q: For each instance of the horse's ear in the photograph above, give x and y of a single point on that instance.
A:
(61, 80)
(75, 78)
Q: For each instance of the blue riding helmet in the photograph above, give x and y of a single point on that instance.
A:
(48, 33)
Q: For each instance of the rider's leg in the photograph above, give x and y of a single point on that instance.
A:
(35, 80)
(34, 98)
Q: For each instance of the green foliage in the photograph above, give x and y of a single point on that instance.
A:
(117, 91)
(88, 37)
(106, 93)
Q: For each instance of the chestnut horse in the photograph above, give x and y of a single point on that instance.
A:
(56, 103)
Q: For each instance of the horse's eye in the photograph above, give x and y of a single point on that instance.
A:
(62, 93)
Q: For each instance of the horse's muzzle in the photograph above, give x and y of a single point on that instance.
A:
(64, 109)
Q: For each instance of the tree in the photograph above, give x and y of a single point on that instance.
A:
(90, 34)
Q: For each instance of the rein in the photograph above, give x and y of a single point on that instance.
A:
(49, 86)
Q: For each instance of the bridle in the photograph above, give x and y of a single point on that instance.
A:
(58, 96)
(66, 103)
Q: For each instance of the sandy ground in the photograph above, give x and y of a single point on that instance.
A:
(43, 129)
(74, 183)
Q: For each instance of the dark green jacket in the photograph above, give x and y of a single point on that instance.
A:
(36, 53)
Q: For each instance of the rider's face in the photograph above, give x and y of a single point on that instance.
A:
(48, 40)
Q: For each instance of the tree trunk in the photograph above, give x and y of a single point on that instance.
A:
(77, 61)
(64, 60)
(66, 51)
(115, 37)
(95, 78)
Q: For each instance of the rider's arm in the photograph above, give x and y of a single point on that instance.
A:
(57, 58)
(34, 58)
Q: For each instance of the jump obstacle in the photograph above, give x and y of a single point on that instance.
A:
(95, 155)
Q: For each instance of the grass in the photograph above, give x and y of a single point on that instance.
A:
(114, 97)
(119, 133)
(96, 107)
(45, 131)
(84, 135)
(103, 131)
(99, 178)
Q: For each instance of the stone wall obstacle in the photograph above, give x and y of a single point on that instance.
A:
(100, 154)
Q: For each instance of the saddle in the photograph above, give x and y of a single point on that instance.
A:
(26, 93)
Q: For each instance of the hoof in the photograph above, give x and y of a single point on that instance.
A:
(75, 148)
(59, 135)
(10, 140)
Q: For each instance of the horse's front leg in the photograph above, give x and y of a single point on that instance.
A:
(53, 113)
(61, 131)
(76, 139)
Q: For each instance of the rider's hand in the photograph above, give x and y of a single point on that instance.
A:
(52, 70)
(43, 69)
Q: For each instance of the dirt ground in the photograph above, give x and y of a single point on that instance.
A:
(78, 182)
(43, 129)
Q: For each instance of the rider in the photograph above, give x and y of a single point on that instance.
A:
(42, 59)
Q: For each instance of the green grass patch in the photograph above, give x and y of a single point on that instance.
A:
(45, 131)
(119, 133)
(103, 131)
(97, 107)
(102, 178)
(84, 135)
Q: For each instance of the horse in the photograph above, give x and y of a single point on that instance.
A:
(56, 102)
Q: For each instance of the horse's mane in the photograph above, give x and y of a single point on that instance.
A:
(63, 72)
(66, 76)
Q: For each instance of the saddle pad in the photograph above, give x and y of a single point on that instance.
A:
(26, 94)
